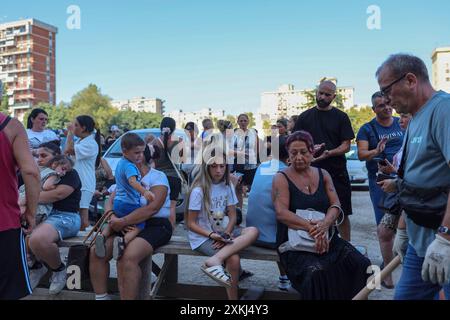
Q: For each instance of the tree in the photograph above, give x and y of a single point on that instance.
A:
(266, 125)
(251, 118)
(232, 119)
(90, 101)
(311, 100)
(359, 117)
(136, 120)
(4, 103)
(58, 116)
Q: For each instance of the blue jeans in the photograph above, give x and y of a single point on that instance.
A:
(67, 224)
(376, 194)
(411, 286)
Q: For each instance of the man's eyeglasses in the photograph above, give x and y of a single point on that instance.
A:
(385, 91)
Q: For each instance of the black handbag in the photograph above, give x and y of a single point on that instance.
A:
(425, 206)
(79, 254)
(390, 203)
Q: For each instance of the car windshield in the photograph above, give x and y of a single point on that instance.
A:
(352, 154)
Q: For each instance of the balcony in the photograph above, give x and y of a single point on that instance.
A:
(5, 44)
(15, 51)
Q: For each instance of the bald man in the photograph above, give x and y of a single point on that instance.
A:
(331, 129)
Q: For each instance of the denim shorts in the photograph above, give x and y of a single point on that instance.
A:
(67, 224)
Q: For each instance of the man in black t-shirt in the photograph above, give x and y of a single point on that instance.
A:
(332, 131)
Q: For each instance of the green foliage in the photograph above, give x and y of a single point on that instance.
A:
(266, 125)
(232, 119)
(360, 116)
(90, 101)
(136, 120)
(4, 104)
(252, 121)
(58, 115)
(311, 100)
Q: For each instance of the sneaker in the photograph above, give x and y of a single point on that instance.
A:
(100, 249)
(284, 284)
(57, 282)
(36, 275)
(118, 247)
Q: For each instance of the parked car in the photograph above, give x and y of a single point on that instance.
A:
(356, 169)
(114, 154)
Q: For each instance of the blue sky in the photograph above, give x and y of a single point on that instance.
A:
(224, 54)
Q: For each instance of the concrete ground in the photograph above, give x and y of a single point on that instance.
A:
(266, 273)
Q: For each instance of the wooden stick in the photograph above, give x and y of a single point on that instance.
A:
(365, 292)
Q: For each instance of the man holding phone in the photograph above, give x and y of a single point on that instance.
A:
(378, 141)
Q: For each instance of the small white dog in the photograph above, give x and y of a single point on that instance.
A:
(219, 221)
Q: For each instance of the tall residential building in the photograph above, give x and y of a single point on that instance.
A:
(140, 104)
(197, 117)
(287, 101)
(27, 63)
(441, 69)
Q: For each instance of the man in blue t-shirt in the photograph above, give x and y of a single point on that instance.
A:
(261, 211)
(378, 140)
(405, 85)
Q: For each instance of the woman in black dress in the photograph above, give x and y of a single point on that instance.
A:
(337, 270)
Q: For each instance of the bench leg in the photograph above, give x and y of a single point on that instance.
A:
(146, 283)
(169, 261)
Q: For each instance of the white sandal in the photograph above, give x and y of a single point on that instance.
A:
(218, 274)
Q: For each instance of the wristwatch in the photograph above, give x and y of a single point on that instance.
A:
(444, 230)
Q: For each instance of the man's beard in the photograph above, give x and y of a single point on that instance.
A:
(322, 104)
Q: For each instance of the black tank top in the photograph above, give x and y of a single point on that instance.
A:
(300, 200)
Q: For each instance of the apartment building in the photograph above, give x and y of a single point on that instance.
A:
(441, 69)
(288, 101)
(27, 64)
(140, 104)
(197, 117)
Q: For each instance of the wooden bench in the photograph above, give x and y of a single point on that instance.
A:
(167, 284)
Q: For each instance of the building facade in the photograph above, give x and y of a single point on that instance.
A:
(27, 64)
(197, 117)
(140, 104)
(441, 69)
(288, 101)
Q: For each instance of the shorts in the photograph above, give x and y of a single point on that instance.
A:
(175, 187)
(207, 249)
(343, 188)
(14, 276)
(67, 224)
(86, 198)
(122, 209)
(248, 176)
(157, 232)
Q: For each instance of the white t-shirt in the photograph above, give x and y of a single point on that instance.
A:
(86, 151)
(37, 138)
(151, 179)
(222, 196)
(157, 178)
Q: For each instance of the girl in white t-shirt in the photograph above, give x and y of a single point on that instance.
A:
(211, 196)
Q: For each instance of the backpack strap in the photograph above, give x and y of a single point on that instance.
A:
(5, 123)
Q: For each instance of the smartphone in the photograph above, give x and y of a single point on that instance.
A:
(320, 151)
(382, 177)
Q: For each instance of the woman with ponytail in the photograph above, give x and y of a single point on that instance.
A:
(87, 152)
(171, 151)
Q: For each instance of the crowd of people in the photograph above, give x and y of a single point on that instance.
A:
(299, 170)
